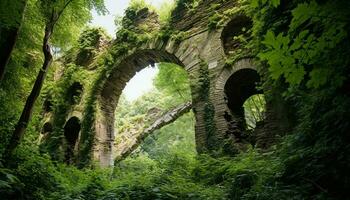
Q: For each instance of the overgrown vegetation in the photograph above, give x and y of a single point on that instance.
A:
(254, 110)
(301, 49)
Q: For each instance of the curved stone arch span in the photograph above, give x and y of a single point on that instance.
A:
(221, 106)
(202, 52)
(201, 55)
(47, 128)
(113, 86)
(126, 69)
(46, 131)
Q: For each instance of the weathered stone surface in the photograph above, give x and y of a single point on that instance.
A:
(146, 21)
(197, 19)
(202, 55)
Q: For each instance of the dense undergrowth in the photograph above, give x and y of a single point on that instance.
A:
(302, 49)
(179, 176)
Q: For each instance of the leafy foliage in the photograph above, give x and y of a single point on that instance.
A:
(305, 55)
(302, 49)
(313, 35)
(165, 11)
(254, 110)
(173, 81)
(133, 117)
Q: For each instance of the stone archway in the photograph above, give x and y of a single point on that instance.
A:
(230, 94)
(98, 123)
(111, 92)
(241, 85)
(74, 93)
(71, 134)
(233, 86)
(47, 128)
(46, 131)
(201, 51)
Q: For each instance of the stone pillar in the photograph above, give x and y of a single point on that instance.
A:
(104, 139)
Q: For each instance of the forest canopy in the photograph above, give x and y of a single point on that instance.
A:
(280, 130)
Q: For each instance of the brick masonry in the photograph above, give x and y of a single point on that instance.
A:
(200, 47)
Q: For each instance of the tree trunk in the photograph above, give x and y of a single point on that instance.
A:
(169, 117)
(22, 124)
(9, 37)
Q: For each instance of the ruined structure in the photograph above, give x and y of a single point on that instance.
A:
(127, 145)
(218, 88)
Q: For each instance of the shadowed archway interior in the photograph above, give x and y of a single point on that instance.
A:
(112, 90)
(74, 93)
(47, 128)
(238, 88)
(238, 26)
(71, 134)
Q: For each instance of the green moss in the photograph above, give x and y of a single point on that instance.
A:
(185, 5)
(89, 44)
(208, 107)
(89, 115)
(60, 97)
(214, 21)
(219, 19)
(215, 6)
(128, 39)
(201, 92)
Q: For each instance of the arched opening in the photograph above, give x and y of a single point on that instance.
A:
(245, 101)
(47, 128)
(170, 89)
(47, 106)
(45, 131)
(111, 94)
(74, 93)
(235, 33)
(71, 134)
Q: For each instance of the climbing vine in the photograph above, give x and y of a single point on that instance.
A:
(299, 54)
(59, 95)
(200, 94)
(304, 52)
(243, 38)
(128, 38)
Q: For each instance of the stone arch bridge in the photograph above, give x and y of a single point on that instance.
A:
(218, 89)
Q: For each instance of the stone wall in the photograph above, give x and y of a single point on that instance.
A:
(202, 55)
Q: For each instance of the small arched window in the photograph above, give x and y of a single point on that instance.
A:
(74, 93)
(236, 32)
(47, 128)
(240, 90)
(71, 134)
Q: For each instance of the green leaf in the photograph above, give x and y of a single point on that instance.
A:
(298, 41)
(275, 3)
(270, 40)
(254, 3)
(318, 77)
(296, 75)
